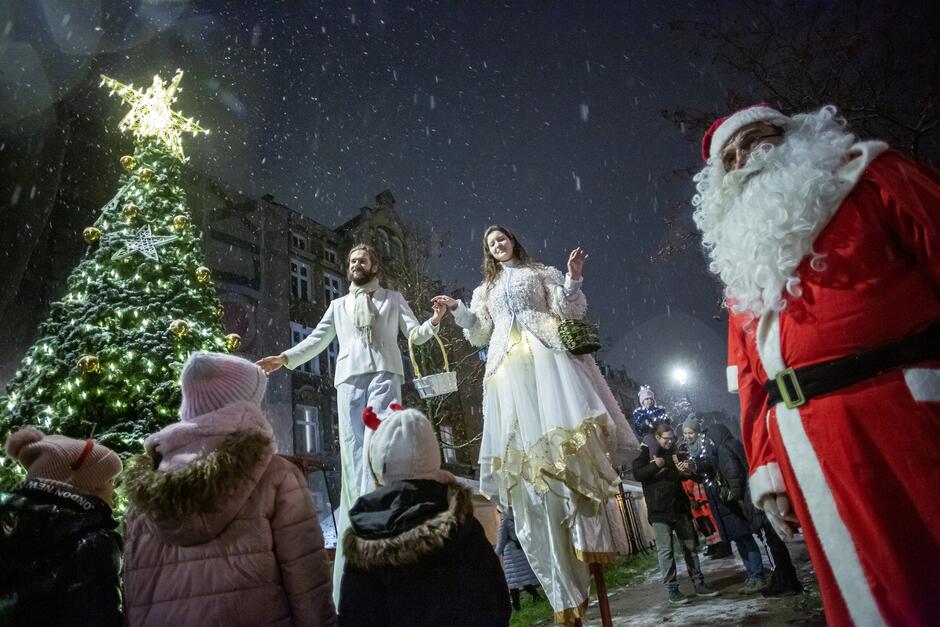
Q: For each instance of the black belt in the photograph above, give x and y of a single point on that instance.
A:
(795, 386)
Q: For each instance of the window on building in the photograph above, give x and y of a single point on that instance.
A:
(331, 352)
(330, 255)
(384, 245)
(447, 439)
(298, 334)
(300, 281)
(307, 435)
(298, 241)
(333, 286)
(398, 249)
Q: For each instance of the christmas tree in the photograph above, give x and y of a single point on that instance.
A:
(108, 357)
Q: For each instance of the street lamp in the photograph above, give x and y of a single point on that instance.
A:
(680, 376)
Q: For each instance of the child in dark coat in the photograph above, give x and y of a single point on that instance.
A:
(415, 554)
(59, 551)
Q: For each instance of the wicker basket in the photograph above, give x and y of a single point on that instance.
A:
(432, 384)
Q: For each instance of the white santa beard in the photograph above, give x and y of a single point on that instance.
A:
(759, 222)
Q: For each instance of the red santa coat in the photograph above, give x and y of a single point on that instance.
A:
(861, 464)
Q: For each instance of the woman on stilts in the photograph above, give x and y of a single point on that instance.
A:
(550, 421)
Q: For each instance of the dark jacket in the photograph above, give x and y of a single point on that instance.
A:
(722, 467)
(666, 500)
(518, 572)
(645, 419)
(415, 555)
(60, 557)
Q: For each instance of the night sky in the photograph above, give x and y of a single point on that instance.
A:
(545, 119)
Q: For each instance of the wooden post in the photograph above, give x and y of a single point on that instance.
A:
(597, 570)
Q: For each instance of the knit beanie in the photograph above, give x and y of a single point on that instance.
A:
(211, 381)
(404, 446)
(645, 393)
(693, 423)
(85, 465)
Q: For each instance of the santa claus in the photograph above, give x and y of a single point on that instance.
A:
(829, 250)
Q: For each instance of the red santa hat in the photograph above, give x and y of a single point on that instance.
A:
(722, 129)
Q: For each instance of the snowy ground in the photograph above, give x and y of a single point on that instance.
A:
(644, 602)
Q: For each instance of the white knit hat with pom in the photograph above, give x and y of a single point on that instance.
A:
(405, 447)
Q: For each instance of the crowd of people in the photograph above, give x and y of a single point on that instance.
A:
(817, 237)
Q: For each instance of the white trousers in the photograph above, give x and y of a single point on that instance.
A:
(377, 390)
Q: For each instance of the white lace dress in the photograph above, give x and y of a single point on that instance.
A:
(550, 423)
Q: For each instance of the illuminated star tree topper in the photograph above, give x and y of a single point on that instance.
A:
(151, 114)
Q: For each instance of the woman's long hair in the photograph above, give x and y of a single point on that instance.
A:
(491, 267)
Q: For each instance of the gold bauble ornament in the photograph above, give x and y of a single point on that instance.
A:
(203, 274)
(129, 163)
(91, 234)
(89, 364)
(145, 174)
(233, 341)
(219, 311)
(181, 222)
(131, 211)
(179, 328)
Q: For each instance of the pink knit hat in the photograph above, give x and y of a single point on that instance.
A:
(85, 465)
(211, 381)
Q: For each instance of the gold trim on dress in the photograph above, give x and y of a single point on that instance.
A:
(596, 557)
(576, 457)
(570, 613)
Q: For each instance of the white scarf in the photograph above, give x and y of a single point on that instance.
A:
(364, 310)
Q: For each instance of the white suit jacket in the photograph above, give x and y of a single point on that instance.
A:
(355, 356)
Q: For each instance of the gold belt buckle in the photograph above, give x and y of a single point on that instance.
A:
(788, 400)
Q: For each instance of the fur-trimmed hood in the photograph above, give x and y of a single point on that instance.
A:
(408, 542)
(193, 503)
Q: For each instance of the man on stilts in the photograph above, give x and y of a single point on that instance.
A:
(369, 371)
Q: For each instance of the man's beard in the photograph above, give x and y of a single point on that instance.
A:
(361, 277)
(759, 222)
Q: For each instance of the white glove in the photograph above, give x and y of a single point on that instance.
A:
(780, 514)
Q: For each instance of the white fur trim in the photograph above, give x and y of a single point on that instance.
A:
(731, 374)
(837, 543)
(739, 120)
(765, 480)
(924, 384)
(866, 152)
(834, 536)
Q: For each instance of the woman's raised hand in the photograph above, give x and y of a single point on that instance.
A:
(576, 263)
